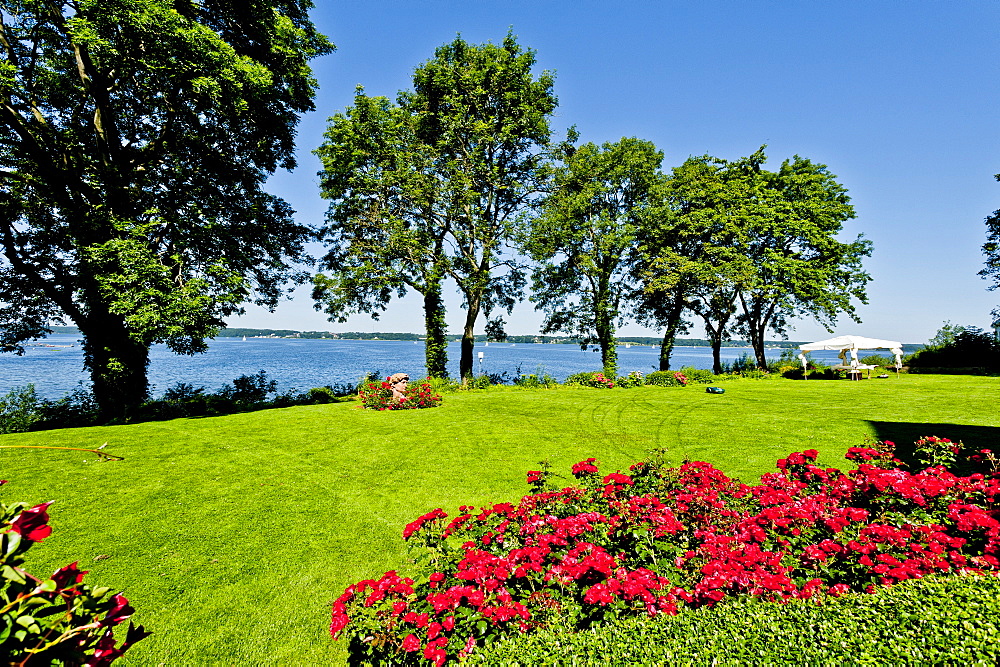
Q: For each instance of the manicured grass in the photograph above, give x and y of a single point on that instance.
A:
(231, 535)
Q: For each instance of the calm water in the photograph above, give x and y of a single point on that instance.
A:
(56, 367)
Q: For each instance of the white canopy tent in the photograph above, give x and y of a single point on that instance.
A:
(852, 344)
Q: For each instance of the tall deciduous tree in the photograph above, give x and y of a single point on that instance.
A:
(388, 219)
(136, 138)
(584, 239)
(992, 251)
(476, 131)
(686, 255)
(792, 219)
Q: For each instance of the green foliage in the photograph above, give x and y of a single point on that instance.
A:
(585, 236)
(698, 375)
(434, 186)
(633, 379)
(936, 620)
(958, 347)
(249, 388)
(20, 408)
(991, 249)
(379, 396)
(663, 379)
(538, 380)
(595, 379)
(134, 147)
(59, 619)
(878, 360)
(322, 395)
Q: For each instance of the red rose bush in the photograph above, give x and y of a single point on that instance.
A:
(659, 537)
(57, 619)
(377, 395)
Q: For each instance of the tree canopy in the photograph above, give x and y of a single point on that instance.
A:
(992, 251)
(747, 249)
(137, 135)
(584, 236)
(449, 169)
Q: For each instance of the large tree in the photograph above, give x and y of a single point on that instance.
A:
(476, 126)
(992, 251)
(746, 250)
(388, 220)
(584, 236)
(792, 218)
(136, 138)
(686, 256)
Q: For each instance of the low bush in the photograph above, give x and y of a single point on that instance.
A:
(666, 379)
(249, 388)
(698, 375)
(378, 396)
(964, 348)
(20, 408)
(633, 379)
(933, 621)
(661, 538)
(538, 380)
(57, 619)
(595, 379)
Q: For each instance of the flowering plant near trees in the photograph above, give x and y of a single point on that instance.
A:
(58, 619)
(378, 396)
(659, 537)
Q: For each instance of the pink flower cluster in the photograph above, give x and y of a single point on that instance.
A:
(681, 378)
(660, 537)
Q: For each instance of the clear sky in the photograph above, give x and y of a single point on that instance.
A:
(898, 99)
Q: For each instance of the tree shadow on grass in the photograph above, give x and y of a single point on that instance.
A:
(905, 434)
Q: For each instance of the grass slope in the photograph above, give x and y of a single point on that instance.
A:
(231, 535)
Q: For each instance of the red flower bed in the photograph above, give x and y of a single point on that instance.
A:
(378, 396)
(660, 537)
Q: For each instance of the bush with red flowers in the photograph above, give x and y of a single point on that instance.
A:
(659, 537)
(377, 395)
(58, 619)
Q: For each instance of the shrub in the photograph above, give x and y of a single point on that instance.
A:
(595, 379)
(59, 619)
(183, 392)
(322, 395)
(633, 379)
(878, 360)
(77, 408)
(378, 396)
(20, 409)
(659, 539)
(249, 388)
(663, 379)
(538, 380)
(698, 375)
(932, 621)
(960, 348)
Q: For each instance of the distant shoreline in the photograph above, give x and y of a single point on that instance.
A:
(239, 332)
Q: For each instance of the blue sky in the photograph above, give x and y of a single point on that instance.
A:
(899, 99)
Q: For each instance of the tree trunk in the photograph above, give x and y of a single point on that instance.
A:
(117, 365)
(435, 326)
(673, 324)
(717, 355)
(469, 337)
(606, 339)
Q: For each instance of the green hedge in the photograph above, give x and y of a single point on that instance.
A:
(939, 620)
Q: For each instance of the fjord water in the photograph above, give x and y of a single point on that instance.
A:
(55, 365)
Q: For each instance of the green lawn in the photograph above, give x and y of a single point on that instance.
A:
(231, 535)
